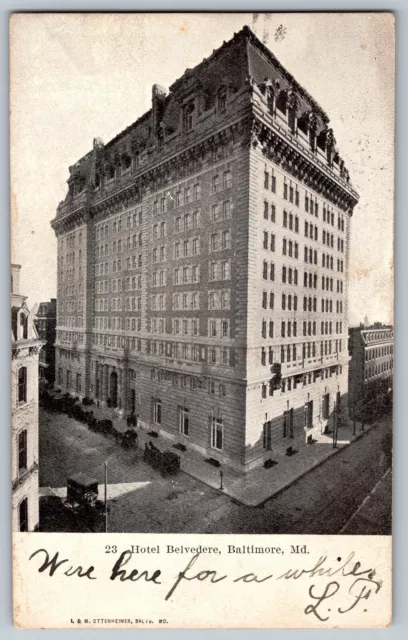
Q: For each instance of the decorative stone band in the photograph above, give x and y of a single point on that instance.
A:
(276, 144)
(24, 475)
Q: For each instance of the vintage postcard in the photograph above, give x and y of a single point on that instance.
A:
(202, 319)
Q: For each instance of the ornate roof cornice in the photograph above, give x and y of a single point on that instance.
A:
(284, 150)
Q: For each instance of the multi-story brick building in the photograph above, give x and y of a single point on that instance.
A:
(25, 347)
(371, 350)
(203, 261)
(45, 323)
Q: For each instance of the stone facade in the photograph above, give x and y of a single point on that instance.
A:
(26, 346)
(203, 262)
(371, 350)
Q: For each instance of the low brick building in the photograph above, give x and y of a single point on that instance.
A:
(203, 262)
(371, 350)
(25, 349)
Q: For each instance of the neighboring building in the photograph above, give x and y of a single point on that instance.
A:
(372, 359)
(203, 262)
(46, 322)
(25, 348)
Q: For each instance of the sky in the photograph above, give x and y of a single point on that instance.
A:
(75, 77)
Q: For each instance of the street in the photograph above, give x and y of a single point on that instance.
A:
(140, 500)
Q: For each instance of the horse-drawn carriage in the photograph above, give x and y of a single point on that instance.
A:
(82, 491)
(129, 439)
(167, 462)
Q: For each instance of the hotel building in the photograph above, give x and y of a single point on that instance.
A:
(203, 262)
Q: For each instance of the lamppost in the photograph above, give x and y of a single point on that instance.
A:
(336, 424)
(221, 478)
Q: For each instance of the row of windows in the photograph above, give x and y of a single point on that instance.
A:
(272, 215)
(289, 328)
(70, 306)
(371, 354)
(187, 222)
(70, 336)
(220, 270)
(375, 370)
(131, 242)
(311, 231)
(69, 274)
(70, 240)
(291, 383)
(69, 258)
(290, 248)
(68, 379)
(187, 300)
(133, 220)
(216, 424)
(185, 326)
(310, 255)
(191, 193)
(71, 321)
(270, 179)
(311, 205)
(373, 336)
(158, 301)
(290, 221)
(70, 290)
(188, 248)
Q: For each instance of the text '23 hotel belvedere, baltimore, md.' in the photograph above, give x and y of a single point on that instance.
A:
(203, 260)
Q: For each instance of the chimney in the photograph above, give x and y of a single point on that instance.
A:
(15, 278)
(158, 98)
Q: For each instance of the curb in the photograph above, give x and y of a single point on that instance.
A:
(258, 505)
(318, 464)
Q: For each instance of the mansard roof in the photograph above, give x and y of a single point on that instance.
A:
(241, 57)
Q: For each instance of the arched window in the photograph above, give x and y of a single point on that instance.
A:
(22, 384)
(23, 326)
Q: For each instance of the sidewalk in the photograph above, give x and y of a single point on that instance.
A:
(258, 485)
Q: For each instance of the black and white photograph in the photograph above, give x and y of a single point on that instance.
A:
(202, 273)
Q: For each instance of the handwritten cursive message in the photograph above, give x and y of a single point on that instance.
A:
(338, 586)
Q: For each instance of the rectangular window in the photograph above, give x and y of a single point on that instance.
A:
(217, 433)
(184, 421)
(23, 515)
(273, 213)
(266, 209)
(157, 408)
(273, 183)
(227, 180)
(22, 384)
(22, 450)
(326, 406)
